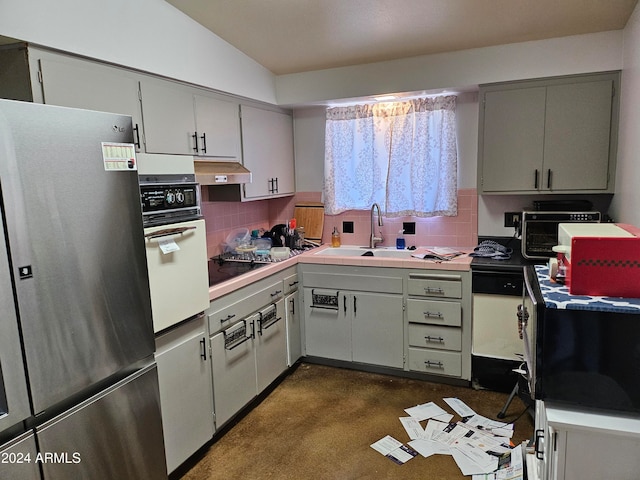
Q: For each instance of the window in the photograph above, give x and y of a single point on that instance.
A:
(400, 155)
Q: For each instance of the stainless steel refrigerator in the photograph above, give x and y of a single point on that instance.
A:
(78, 382)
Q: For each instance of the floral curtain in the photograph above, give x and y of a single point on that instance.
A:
(400, 155)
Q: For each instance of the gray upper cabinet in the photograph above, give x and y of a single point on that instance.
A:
(41, 76)
(218, 123)
(181, 120)
(555, 135)
(169, 121)
(267, 151)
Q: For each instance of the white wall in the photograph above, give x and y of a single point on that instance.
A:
(456, 70)
(625, 206)
(149, 35)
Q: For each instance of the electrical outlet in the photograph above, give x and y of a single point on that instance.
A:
(409, 228)
(512, 219)
(347, 227)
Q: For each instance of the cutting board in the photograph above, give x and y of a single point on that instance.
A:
(310, 215)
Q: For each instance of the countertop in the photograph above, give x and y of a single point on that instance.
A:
(557, 296)
(460, 263)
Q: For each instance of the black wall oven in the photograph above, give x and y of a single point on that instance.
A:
(584, 351)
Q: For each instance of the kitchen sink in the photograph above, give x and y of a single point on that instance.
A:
(352, 251)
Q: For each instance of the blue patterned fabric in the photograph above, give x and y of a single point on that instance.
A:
(558, 296)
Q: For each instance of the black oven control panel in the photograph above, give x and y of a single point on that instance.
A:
(167, 199)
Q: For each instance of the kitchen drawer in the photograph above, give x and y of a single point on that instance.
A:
(434, 312)
(290, 283)
(256, 298)
(433, 336)
(435, 361)
(435, 285)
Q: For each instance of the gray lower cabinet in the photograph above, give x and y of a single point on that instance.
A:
(555, 135)
(234, 370)
(439, 322)
(576, 444)
(248, 343)
(354, 314)
(184, 374)
(293, 318)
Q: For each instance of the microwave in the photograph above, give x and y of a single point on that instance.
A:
(540, 230)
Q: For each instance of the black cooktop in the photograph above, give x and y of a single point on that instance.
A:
(221, 270)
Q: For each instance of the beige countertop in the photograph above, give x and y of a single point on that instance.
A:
(460, 263)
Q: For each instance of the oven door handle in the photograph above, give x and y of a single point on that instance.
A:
(167, 231)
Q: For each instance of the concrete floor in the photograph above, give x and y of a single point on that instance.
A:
(319, 422)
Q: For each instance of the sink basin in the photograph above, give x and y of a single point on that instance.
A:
(348, 251)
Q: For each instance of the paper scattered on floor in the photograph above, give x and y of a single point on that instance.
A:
(480, 446)
(425, 411)
(394, 450)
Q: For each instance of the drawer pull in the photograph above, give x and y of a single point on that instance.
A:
(293, 284)
(429, 338)
(229, 317)
(320, 300)
(433, 315)
(430, 364)
(276, 293)
(432, 290)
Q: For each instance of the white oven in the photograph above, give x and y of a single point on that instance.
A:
(176, 246)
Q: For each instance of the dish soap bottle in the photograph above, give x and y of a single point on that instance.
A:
(335, 237)
(400, 244)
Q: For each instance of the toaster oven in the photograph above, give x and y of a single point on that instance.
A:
(540, 230)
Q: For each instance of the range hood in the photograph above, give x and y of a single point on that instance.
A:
(221, 173)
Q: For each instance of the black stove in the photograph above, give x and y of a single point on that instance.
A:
(221, 270)
(229, 265)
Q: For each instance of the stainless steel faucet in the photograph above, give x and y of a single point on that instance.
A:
(373, 239)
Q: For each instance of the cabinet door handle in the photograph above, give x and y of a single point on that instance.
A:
(293, 306)
(429, 338)
(355, 305)
(539, 444)
(137, 142)
(203, 351)
(549, 178)
(431, 364)
(535, 181)
(195, 141)
(438, 290)
(204, 142)
(276, 191)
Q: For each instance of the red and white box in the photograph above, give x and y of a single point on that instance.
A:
(603, 259)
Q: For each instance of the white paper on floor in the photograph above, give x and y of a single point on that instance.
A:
(394, 450)
(480, 446)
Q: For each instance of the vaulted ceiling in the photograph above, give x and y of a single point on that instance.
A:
(291, 36)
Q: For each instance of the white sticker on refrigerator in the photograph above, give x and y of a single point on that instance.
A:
(119, 156)
(168, 246)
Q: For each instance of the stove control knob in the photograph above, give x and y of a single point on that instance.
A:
(179, 196)
(170, 197)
